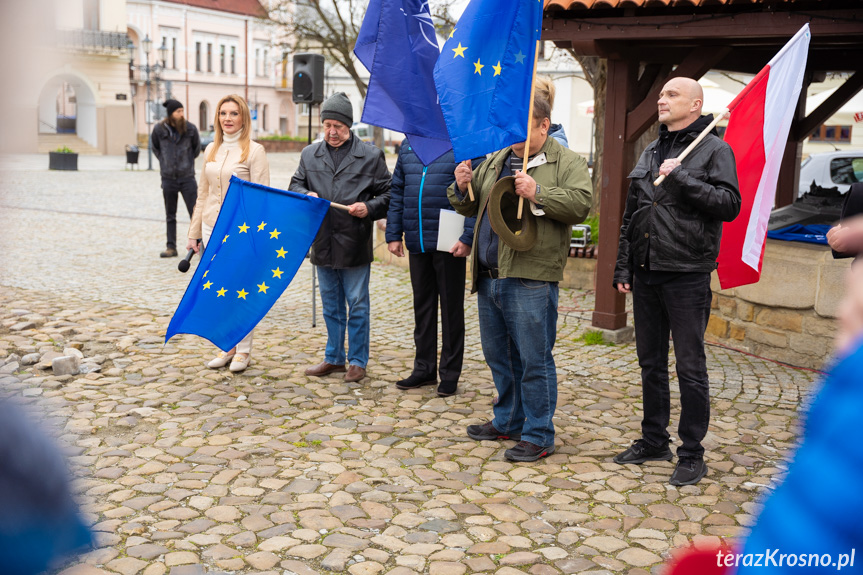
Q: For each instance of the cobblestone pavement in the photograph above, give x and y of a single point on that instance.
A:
(185, 470)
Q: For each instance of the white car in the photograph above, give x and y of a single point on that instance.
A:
(836, 170)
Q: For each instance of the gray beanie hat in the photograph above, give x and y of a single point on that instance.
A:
(338, 107)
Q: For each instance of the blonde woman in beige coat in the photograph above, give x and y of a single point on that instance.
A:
(232, 152)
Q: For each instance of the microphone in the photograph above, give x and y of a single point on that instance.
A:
(183, 266)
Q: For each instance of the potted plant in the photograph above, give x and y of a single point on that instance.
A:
(62, 159)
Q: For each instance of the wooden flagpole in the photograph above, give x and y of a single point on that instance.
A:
(529, 121)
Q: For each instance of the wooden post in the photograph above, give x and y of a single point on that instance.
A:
(610, 306)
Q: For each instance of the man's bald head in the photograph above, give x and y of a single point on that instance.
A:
(680, 103)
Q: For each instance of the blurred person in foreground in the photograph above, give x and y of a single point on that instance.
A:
(39, 521)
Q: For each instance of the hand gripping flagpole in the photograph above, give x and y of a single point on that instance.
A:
(696, 141)
(759, 77)
(529, 122)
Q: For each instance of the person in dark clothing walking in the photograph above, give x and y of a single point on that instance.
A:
(176, 144)
(669, 241)
(417, 196)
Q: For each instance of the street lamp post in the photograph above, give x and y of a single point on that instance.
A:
(148, 71)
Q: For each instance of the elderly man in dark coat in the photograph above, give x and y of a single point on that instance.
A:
(348, 171)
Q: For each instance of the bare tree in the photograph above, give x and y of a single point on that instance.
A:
(596, 72)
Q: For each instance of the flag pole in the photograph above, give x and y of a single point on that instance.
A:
(529, 122)
(696, 141)
(340, 206)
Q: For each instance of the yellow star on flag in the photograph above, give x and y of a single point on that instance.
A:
(275, 234)
(277, 273)
(262, 226)
(497, 69)
(225, 239)
(205, 273)
(207, 285)
(281, 252)
(477, 67)
(459, 51)
(242, 294)
(243, 228)
(222, 292)
(452, 33)
(263, 287)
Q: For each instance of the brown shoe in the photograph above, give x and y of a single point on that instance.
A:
(355, 373)
(324, 368)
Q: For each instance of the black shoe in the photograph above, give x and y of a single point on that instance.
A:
(488, 432)
(415, 381)
(527, 451)
(447, 388)
(168, 253)
(689, 471)
(641, 451)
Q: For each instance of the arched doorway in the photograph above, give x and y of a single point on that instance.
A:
(204, 116)
(67, 104)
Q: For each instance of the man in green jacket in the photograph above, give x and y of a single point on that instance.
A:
(518, 290)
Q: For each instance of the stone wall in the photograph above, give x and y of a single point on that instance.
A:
(790, 315)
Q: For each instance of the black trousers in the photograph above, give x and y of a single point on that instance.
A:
(682, 307)
(170, 188)
(438, 276)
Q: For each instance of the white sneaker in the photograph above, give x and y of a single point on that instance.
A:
(240, 362)
(222, 359)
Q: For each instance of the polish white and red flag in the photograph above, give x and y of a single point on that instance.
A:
(757, 131)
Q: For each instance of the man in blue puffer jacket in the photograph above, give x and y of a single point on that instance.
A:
(417, 196)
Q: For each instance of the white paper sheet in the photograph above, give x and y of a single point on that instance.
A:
(451, 229)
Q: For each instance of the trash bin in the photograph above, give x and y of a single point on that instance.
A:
(132, 155)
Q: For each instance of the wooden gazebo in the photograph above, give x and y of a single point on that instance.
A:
(647, 42)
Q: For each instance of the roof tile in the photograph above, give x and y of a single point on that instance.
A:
(245, 7)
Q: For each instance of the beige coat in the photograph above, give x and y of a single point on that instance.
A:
(216, 176)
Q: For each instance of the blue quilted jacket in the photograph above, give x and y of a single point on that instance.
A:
(417, 195)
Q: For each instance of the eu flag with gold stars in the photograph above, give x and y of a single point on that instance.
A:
(398, 46)
(484, 73)
(258, 243)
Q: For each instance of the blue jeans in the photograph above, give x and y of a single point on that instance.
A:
(682, 307)
(518, 326)
(351, 286)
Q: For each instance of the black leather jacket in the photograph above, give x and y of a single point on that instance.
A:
(345, 241)
(176, 153)
(677, 225)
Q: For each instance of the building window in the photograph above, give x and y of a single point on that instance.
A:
(257, 61)
(197, 56)
(264, 117)
(174, 53)
(839, 134)
(233, 59)
(209, 57)
(264, 63)
(165, 43)
(91, 14)
(222, 59)
(204, 114)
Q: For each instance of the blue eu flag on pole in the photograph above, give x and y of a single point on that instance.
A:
(398, 46)
(484, 74)
(258, 243)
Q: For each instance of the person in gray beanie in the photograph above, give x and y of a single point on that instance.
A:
(348, 171)
(338, 107)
